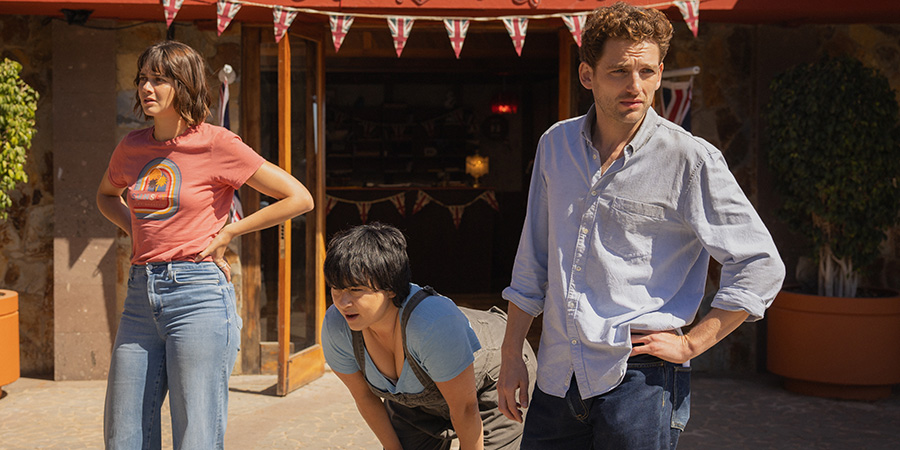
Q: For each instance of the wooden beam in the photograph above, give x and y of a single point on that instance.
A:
(250, 242)
(284, 253)
(565, 74)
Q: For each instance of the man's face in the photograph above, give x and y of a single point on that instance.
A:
(624, 80)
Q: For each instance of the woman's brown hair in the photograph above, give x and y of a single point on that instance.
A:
(186, 70)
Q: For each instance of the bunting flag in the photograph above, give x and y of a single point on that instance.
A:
(676, 102)
(171, 8)
(340, 26)
(363, 208)
(225, 11)
(575, 25)
(516, 28)
(491, 199)
(283, 19)
(329, 203)
(400, 28)
(457, 30)
(422, 199)
(456, 212)
(399, 202)
(690, 9)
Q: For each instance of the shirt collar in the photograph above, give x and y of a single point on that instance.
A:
(644, 133)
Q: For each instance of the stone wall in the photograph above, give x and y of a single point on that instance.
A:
(26, 238)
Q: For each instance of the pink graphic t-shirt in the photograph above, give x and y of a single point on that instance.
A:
(179, 191)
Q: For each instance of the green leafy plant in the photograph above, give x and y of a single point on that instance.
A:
(18, 103)
(834, 149)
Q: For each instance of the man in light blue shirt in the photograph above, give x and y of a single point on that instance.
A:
(624, 211)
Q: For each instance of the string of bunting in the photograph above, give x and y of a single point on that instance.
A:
(422, 199)
(401, 26)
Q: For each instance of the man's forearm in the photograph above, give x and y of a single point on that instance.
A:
(712, 328)
(517, 326)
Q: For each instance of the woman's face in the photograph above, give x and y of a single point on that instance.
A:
(157, 94)
(363, 306)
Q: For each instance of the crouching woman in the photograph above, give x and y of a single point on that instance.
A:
(434, 364)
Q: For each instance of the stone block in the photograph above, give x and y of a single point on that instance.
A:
(82, 355)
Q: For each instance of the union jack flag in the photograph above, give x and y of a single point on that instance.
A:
(575, 25)
(676, 102)
(400, 28)
(171, 8)
(340, 26)
(283, 21)
(225, 11)
(690, 9)
(516, 28)
(457, 30)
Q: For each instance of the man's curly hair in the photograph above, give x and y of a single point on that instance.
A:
(624, 21)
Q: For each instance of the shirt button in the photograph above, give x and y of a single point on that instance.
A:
(574, 341)
(584, 231)
(595, 156)
(571, 304)
(578, 268)
(594, 193)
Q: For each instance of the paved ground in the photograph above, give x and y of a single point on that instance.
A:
(726, 414)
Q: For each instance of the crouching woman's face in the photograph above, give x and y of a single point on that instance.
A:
(363, 307)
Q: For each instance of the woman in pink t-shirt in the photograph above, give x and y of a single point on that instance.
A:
(179, 332)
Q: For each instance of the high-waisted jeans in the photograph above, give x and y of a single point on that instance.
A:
(179, 333)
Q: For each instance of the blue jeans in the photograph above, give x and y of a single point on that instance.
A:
(647, 411)
(179, 333)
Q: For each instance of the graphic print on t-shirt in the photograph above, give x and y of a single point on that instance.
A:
(155, 194)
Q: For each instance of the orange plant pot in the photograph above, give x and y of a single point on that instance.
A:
(9, 337)
(835, 347)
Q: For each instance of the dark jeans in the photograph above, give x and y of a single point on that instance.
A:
(647, 411)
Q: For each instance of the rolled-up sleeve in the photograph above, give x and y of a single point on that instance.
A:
(730, 229)
(528, 287)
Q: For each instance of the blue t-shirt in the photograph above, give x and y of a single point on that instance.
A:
(438, 337)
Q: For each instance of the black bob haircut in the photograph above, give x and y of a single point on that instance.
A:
(371, 255)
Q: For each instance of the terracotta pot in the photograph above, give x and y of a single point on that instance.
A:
(835, 347)
(9, 337)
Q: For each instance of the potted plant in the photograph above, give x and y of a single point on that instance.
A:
(834, 151)
(18, 103)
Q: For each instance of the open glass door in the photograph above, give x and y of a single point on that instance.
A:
(292, 287)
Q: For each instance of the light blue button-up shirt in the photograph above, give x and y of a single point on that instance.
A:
(601, 255)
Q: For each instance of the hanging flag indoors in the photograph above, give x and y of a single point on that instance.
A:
(690, 9)
(400, 28)
(676, 102)
(575, 25)
(225, 11)
(340, 26)
(171, 8)
(516, 28)
(457, 30)
(283, 21)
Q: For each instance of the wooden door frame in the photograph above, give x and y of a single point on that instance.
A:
(308, 364)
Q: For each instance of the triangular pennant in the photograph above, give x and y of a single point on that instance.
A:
(516, 28)
(171, 8)
(225, 11)
(399, 129)
(491, 199)
(456, 211)
(340, 26)
(400, 28)
(283, 19)
(457, 30)
(422, 199)
(330, 202)
(575, 25)
(399, 202)
(690, 9)
(363, 208)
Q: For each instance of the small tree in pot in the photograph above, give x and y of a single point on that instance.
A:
(835, 153)
(18, 103)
